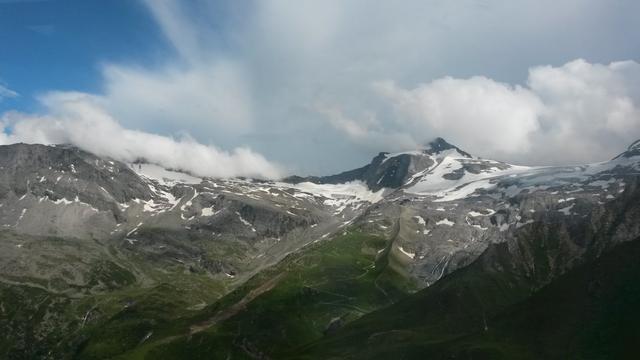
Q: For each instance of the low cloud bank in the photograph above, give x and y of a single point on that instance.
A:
(79, 119)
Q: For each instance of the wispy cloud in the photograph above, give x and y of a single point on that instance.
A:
(43, 29)
(6, 93)
(367, 130)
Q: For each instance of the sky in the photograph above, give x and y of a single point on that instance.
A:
(275, 87)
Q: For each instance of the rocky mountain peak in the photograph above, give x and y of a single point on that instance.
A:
(440, 145)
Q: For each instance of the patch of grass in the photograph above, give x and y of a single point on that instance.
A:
(111, 315)
(131, 317)
(109, 275)
(292, 303)
(32, 321)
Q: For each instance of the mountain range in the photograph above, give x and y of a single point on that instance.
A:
(432, 253)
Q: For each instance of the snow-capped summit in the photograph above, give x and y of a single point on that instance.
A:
(393, 170)
(438, 148)
(444, 172)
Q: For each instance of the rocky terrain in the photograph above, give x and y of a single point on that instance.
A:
(100, 259)
(225, 228)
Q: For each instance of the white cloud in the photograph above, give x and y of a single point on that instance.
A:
(577, 112)
(79, 119)
(212, 96)
(367, 132)
(201, 90)
(477, 112)
(176, 27)
(5, 92)
(590, 109)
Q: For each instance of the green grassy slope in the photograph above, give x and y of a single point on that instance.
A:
(112, 314)
(290, 304)
(310, 293)
(591, 312)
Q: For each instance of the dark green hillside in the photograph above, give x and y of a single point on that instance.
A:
(592, 312)
(308, 295)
